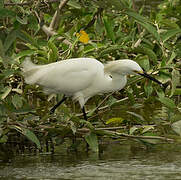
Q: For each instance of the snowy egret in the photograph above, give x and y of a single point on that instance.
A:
(81, 78)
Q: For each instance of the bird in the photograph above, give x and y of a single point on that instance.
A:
(81, 78)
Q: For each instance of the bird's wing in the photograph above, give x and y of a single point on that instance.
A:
(68, 77)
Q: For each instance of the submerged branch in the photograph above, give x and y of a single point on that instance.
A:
(104, 131)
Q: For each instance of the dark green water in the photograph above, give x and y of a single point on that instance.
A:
(116, 162)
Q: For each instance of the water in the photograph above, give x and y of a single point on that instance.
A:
(117, 162)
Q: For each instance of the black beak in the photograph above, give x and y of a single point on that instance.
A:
(144, 74)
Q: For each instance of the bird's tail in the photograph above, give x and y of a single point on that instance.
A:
(29, 71)
(27, 64)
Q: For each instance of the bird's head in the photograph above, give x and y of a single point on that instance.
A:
(123, 67)
(126, 67)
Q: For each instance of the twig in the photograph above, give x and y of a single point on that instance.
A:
(54, 23)
(138, 42)
(86, 130)
(56, 18)
(104, 107)
(143, 137)
(102, 131)
(50, 32)
(102, 102)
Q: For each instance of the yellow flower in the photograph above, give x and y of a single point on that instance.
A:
(83, 37)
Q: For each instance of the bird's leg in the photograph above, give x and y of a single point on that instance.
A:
(84, 113)
(52, 110)
(85, 117)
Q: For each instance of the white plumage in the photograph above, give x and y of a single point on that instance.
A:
(80, 78)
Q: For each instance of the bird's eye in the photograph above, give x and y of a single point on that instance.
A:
(110, 76)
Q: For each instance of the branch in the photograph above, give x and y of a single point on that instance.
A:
(56, 18)
(104, 107)
(103, 132)
(49, 32)
(144, 137)
(55, 21)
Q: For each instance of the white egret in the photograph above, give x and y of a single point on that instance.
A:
(81, 78)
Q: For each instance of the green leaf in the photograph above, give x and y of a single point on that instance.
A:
(33, 23)
(74, 4)
(160, 93)
(137, 16)
(147, 51)
(132, 130)
(111, 101)
(148, 88)
(92, 140)
(10, 39)
(6, 13)
(147, 128)
(17, 101)
(21, 20)
(169, 33)
(144, 62)
(28, 52)
(27, 38)
(73, 127)
(179, 107)
(6, 73)
(31, 136)
(177, 91)
(175, 80)
(3, 139)
(109, 29)
(167, 102)
(115, 120)
(172, 57)
(145, 23)
(116, 4)
(136, 115)
(2, 51)
(177, 127)
(91, 112)
(109, 49)
(149, 142)
(151, 29)
(6, 91)
(1, 4)
(53, 53)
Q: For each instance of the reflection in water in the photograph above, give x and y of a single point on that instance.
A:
(117, 161)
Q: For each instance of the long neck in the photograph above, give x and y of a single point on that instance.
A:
(117, 82)
(104, 85)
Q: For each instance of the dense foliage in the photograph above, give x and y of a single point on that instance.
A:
(106, 30)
